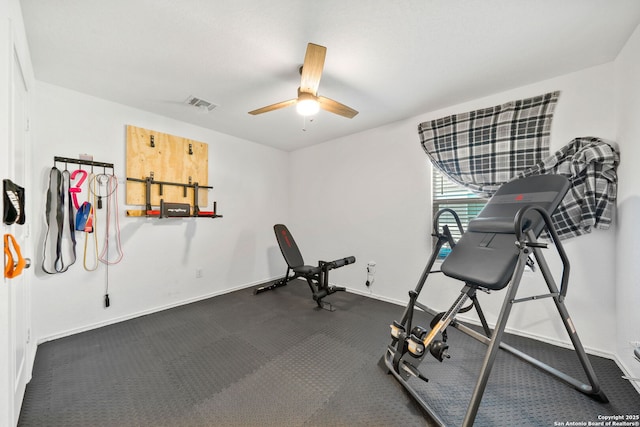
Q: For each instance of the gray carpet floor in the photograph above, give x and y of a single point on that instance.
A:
(274, 359)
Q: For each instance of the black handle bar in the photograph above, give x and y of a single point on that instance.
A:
(436, 220)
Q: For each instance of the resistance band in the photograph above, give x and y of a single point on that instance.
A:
(90, 228)
(58, 216)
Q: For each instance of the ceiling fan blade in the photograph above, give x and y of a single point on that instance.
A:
(273, 107)
(335, 107)
(312, 68)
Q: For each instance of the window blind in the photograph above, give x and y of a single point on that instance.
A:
(447, 194)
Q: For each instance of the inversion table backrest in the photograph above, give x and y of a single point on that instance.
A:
(486, 255)
(288, 246)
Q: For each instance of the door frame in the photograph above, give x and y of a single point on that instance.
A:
(17, 291)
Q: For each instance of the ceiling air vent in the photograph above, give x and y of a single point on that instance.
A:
(200, 104)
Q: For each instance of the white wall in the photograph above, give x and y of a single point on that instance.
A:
(627, 67)
(161, 256)
(369, 195)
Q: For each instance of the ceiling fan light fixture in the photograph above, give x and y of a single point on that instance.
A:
(307, 107)
(308, 102)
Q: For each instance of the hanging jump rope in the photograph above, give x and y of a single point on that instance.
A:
(103, 185)
(110, 182)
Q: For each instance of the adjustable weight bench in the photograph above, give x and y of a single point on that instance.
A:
(490, 256)
(317, 277)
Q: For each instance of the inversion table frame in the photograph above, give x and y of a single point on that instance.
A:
(491, 255)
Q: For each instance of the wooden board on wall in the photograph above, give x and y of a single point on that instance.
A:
(170, 161)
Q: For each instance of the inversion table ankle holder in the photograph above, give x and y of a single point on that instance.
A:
(490, 256)
(317, 277)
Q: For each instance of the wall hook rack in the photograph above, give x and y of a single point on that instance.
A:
(67, 160)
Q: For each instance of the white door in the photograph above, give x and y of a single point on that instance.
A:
(19, 291)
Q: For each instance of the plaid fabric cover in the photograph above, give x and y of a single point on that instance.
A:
(483, 149)
(590, 164)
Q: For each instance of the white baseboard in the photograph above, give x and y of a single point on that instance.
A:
(627, 372)
(115, 320)
(378, 297)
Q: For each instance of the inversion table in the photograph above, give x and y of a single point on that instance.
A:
(317, 277)
(490, 256)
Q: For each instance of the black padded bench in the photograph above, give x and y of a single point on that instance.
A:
(317, 277)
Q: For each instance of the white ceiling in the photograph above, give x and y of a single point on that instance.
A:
(388, 59)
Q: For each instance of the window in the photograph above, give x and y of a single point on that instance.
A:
(448, 194)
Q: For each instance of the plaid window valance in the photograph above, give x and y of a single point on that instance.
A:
(483, 149)
(590, 164)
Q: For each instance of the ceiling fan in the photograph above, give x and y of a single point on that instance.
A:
(308, 102)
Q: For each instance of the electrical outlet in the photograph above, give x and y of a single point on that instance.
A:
(198, 273)
(371, 271)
